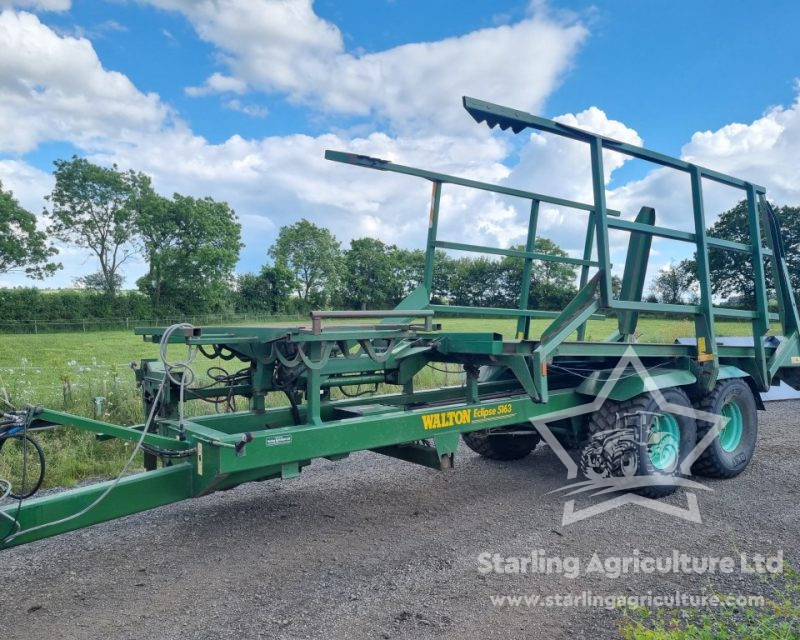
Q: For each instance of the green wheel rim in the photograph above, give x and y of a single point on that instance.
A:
(662, 442)
(731, 434)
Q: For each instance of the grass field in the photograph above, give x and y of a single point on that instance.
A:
(67, 371)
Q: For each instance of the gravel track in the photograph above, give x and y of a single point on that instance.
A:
(371, 547)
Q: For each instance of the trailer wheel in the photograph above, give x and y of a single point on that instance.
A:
(497, 445)
(670, 437)
(730, 452)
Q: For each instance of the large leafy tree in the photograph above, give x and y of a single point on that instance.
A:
(673, 283)
(475, 282)
(409, 268)
(95, 208)
(267, 291)
(23, 248)
(732, 274)
(552, 283)
(313, 255)
(192, 246)
(97, 281)
(370, 279)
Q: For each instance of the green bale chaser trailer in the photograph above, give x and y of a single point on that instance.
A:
(506, 385)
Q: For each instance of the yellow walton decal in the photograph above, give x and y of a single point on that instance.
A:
(446, 419)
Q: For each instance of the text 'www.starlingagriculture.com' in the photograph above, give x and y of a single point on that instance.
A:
(611, 601)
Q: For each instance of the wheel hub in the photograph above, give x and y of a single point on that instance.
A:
(731, 434)
(662, 442)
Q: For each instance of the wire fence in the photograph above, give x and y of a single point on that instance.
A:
(116, 324)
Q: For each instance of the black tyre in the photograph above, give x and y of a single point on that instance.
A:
(23, 457)
(505, 443)
(730, 452)
(667, 439)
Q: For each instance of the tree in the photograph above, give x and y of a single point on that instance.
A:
(157, 225)
(731, 273)
(96, 208)
(191, 246)
(370, 280)
(408, 266)
(313, 255)
(616, 287)
(552, 283)
(97, 282)
(673, 282)
(23, 248)
(475, 283)
(267, 291)
(789, 220)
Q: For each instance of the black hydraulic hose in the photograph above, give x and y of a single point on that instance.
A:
(27, 441)
(293, 402)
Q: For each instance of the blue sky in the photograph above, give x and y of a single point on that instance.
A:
(238, 98)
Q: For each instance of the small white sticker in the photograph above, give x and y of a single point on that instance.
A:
(274, 441)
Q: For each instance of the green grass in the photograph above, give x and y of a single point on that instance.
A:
(778, 619)
(67, 371)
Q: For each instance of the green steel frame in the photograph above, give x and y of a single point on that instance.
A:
(532, 376)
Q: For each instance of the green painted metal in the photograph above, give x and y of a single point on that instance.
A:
(588, 246)
(683, 236)
(707, 358)
(635, 271)
(630, 386)
(133, 434)
(386, 165)
(505, 118)
(517, 121)
(729, 371)
(600, 219)
(528, 255)
(731, 434)
(523, 322)
(577, 312)
(761, 321)
(433, 224)
(498, 312)
(529, 376)
(134, 493)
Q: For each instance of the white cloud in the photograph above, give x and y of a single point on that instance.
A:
(270, 182)
(37, 5)
(283, 178)
(283, 46)
(561, 167)
(170, 37)
(217, 83)
(93, 32)
(247, 108)
(28, 183)
(764, 152)
(55, 88)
